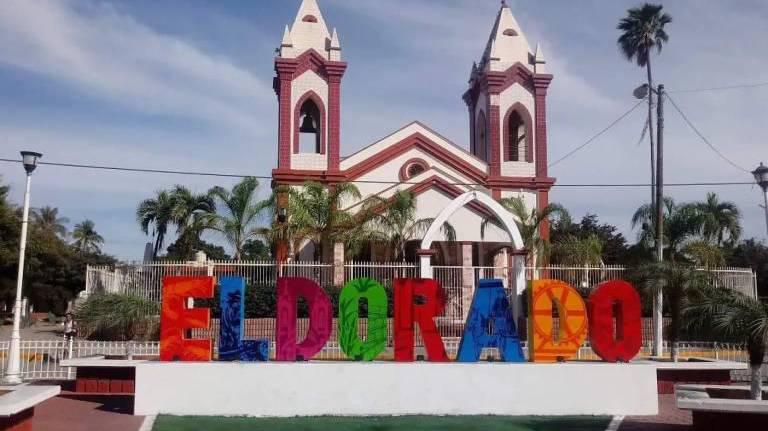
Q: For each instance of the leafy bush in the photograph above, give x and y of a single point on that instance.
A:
(118, 317)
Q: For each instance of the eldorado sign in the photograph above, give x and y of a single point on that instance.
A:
(416, 302)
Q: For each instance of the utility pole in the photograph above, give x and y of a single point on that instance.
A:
(761, 178)
(658, 309)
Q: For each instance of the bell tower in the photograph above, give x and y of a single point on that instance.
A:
(308, 78)
(506, 99)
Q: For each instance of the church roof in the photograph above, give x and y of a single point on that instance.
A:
(309, 32)
(507, 44)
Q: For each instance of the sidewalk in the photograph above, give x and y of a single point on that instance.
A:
(70, 412)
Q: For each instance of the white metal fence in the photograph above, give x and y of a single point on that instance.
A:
(40, 359)
(145, 280)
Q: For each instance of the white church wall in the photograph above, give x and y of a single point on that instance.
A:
(404, 133)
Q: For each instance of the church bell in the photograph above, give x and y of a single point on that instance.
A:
(308, 125)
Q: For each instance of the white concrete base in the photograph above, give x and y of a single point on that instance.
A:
(391, 389)
(23, 397)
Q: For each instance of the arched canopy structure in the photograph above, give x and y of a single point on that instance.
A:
(508, 221)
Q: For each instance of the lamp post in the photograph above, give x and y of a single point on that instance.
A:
(13, 370)
(761, 177)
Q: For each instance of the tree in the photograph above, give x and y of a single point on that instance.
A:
(157, 212)
(677, 283)
(316, 215)
(255, 249)
(529, 223)
(704, 254)
(719, 220)
(47, 218)
(735, 315)
(118, 317)
(681, 223)
(614, 245)
(397, 223)
(642, 31)
(86, 238)
(3, 193)
(238, 213)
(573, 250)
(752, 254)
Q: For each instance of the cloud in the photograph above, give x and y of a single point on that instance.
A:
(98, 50)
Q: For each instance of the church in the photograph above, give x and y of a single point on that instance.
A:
(506, 153)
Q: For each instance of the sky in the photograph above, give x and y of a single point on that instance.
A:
(186, 85)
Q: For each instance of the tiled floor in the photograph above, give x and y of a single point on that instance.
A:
(86, 413)
(669, 418)
(71, 412)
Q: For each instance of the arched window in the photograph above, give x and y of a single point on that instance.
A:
(481, 137)
(517, 138)
(310, 129)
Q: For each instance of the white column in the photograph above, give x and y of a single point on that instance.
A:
(519, 287)
(13, 371)
(426, 265)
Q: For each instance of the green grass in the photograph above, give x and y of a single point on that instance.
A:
(409, 423)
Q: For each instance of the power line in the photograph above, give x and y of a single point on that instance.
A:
(228, 175)
(727, 87)
(600, 133)
(703, 138)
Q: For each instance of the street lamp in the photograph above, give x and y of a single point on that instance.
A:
(13, 370)
(761, 178)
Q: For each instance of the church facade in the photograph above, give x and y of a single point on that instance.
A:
(505, 155)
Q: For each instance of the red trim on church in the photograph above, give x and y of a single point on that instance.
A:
(416, 140)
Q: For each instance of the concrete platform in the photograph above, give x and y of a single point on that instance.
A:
(17, 407)
(276, 389)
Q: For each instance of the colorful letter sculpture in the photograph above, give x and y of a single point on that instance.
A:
(176, 319)
(232, 347)
(628, 340)
(490, 324)
(320, 319)
(431, 302)
(572, 315)
(349, 301)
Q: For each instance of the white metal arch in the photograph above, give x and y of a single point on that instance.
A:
(508, 221)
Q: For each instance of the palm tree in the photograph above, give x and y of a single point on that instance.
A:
(316, 214)
(677, 283)
(192, 214)
(157, 212)
(734, 315)
(642, 32)
(397, 224)
(238, 213)
(529, 222)
(681, 223)
(47, 218)
(87, 240)
(719, 219)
